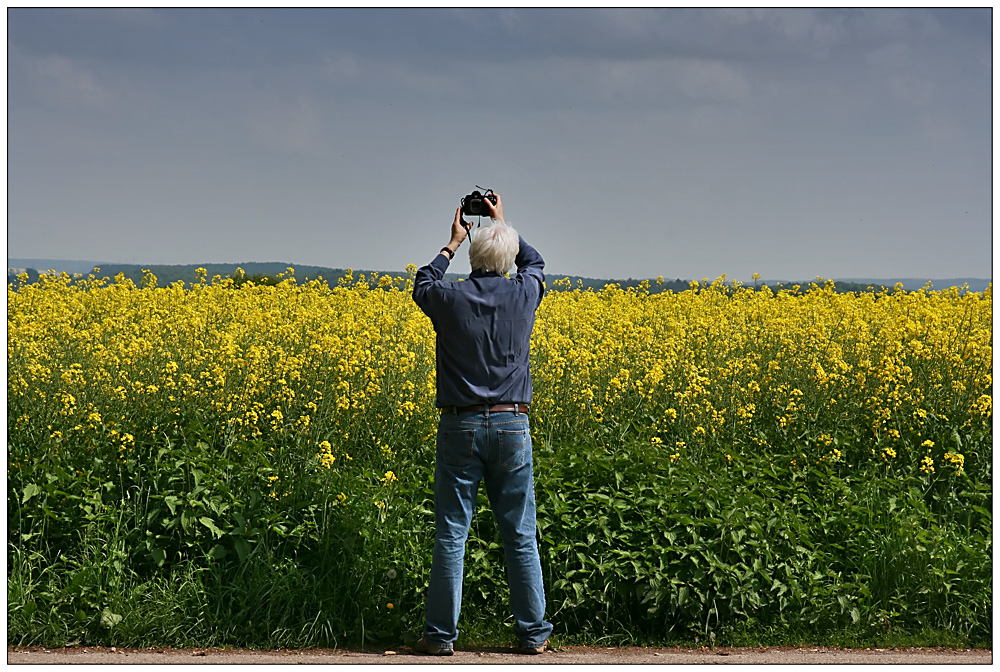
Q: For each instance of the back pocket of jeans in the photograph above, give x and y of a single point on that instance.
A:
(456, 446)
(513, 447)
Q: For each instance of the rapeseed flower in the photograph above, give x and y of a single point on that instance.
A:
(927, 465)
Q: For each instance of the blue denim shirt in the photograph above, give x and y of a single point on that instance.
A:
(483, 326)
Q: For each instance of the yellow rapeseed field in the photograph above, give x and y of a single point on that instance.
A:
(743, 368)
(345, 369)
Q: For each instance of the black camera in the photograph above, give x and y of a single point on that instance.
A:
(474, 205)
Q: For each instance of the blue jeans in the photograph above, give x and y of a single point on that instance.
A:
(496, 448)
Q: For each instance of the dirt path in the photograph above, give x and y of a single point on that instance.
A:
(570, 655)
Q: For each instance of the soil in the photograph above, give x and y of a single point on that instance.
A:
(570, 655)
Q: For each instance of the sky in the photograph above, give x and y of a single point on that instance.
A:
(687, 143)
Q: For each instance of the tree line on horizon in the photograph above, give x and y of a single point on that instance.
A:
(271, 273)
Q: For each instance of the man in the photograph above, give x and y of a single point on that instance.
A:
(483, 327)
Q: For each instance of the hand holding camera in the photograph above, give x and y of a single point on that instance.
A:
(459, 230)
(483, 205)
(475, 204)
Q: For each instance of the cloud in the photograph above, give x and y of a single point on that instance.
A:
(936, 127)
(642, 33)
(134, 17)
(290, 127)
(66, 81)
(340, 68)
(816, 30)
(711, 80)
(890, 57)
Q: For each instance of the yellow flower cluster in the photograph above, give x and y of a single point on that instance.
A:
(349, 368)
(927, 464)
(325, 455)
(294, 364)
(957, 460)
(725, 365)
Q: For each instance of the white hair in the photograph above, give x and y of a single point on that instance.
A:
(494, 247)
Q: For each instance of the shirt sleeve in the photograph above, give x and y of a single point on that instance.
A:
(530, 266)
(428, 276)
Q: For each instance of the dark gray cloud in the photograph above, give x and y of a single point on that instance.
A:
(250, 37)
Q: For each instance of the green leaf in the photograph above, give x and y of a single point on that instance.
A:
(210, 524)
(109, 619)
(76, 584)
(242, 549)
(159, 556)
(30, 491)
(172, 501)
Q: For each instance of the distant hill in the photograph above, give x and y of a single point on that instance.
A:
(913, 284)
(167, 274)
(58, 265)
(909, 284)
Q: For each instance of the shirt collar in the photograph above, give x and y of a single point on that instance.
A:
(485, 274)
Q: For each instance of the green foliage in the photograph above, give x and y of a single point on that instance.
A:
(688, 549)
(194, 550)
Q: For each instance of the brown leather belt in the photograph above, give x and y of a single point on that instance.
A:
(483, 408)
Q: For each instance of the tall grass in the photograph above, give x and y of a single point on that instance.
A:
(253, 466)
